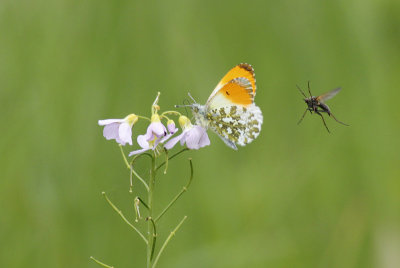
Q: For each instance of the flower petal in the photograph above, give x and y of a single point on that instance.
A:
(171, 127)
(171, 143)
(158, 129)
(204, 140)
(111, 131)
(142, 141)
(193, 138)
(138, 151)
(125, 133)
(165, 138)
(197, 137)
(109, 121)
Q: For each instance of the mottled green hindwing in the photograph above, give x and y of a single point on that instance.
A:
(236, 124)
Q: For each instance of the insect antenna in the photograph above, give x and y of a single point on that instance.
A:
(192, 98)
(309, 90)
(186, 105)
(301, 91)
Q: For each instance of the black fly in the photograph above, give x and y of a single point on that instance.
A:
(317, 105)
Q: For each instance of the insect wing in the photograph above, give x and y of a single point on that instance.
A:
(329, 95)
(244, 70)
(232, 114)
(236, 124)
(238, 91)
(230, 110)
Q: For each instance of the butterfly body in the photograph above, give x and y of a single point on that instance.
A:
(230, 110)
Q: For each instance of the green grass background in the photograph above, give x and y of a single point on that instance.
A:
(296, 197)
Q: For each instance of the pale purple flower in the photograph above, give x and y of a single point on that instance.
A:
(171, 127)
(148, 144)
(156, 128)
(156, 133)
(119, 129)
(195, 136)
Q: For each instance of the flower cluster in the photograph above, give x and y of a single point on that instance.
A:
(157, 135)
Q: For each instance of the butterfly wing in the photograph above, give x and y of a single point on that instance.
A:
(230, 110)
(244, 70)
(329, 95)
(235, 124)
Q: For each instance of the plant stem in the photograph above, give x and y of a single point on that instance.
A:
(124, 157)
(140, 178)
(150, 228)
(167, 240)
(184, 189)
(181, 151)
(125, 219)
(132, 171)
(101, 263)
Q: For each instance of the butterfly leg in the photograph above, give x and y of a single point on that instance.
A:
(338, 120)
(301, 119)
(323, 120)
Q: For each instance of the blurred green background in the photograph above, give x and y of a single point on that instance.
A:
(296, 197)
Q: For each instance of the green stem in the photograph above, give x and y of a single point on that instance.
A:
(166, 161)
(101, 263)
(184, 189)
(123, 217)
(171, 112)
(144, 117)
(150, 230)
(181, 151)
(140, 178)
(124, 157)
(154, 236)
(142, 202)
(167, 241)
(130, 167)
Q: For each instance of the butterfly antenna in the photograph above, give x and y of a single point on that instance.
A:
(301, 91)
(185, 103)
(191, 97)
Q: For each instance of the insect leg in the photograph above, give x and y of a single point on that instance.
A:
(323, 120)
(338, 120)
(301, 119)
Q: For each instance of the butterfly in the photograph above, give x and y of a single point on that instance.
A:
(230, 110)
(317, 104)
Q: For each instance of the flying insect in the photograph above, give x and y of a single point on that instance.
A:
(318, 106)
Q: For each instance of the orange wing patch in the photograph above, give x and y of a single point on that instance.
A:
(241, 70)
(238, 91)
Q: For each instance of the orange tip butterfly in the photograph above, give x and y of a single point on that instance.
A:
(230, 110)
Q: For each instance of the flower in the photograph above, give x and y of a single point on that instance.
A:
(195, 136)
(119, 129)
(156, 133)
(156, 128)
(171, 126)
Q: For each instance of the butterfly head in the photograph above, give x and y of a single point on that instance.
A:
(199, 113)
(230, 110)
